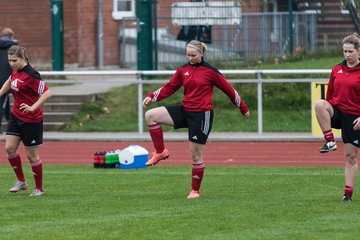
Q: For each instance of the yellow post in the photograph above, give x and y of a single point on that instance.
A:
(318, 91)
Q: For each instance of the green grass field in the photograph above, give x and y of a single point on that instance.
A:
(286, 106)
(236, 203)
(280, 203)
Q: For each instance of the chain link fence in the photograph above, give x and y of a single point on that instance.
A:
(230, 34)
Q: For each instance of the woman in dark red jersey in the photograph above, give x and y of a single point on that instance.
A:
(341, 110)
(197, 78)
(26, 121)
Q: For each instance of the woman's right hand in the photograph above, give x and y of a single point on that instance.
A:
(246, 115)
(146, 101)
(357, 124)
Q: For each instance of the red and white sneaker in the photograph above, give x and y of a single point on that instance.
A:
(157, 157)
(193, 194)
(19, 186)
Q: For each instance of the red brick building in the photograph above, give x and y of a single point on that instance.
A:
(31, 21)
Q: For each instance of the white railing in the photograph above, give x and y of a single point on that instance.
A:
(140, 79)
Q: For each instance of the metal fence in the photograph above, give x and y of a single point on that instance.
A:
(251, 36)
(142, 76)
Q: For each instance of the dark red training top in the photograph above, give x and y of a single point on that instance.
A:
(198, 82)
(27, 86)
(344, 88)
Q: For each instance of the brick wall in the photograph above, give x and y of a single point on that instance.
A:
(31, 21)
(87, 32)
(111, 36)
(81, 37)
(31, 24)
(71, 23)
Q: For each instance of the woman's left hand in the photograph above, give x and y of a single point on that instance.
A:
(357, 124)
(26, 108)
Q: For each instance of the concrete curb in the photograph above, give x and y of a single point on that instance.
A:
(178, 136)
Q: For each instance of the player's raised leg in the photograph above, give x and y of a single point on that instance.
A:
(155, 118)
(324, 111)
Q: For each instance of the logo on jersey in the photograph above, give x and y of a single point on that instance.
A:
(340, 71)
(186, 74)
(14, 84)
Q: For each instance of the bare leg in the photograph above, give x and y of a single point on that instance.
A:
(158, 115)
(11, 145)
(32, 153)
(154, 118)
(37, 169)
(324, 112)
(351, 164)
(196, 151)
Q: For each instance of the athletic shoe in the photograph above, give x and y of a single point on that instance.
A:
(328, 146)
(193, 194)
(346, 198)
(19, 186)
(157, 157)
(36, 193)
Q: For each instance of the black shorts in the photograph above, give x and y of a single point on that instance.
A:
(199, 124)
(31, 134)
(344, 122)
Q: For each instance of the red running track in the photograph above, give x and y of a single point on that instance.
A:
(216, 153)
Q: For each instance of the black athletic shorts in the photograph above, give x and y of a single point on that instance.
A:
(344, 122)
(31, 134)
(199, 124)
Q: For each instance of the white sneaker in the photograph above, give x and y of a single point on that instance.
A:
(19, 186)
(36, 193)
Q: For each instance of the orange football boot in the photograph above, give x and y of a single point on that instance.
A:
(157, 157)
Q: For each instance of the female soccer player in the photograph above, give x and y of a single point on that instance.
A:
(341, 110)
(26, 120)
(196, 111)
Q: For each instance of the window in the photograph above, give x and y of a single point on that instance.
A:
(123, 8)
